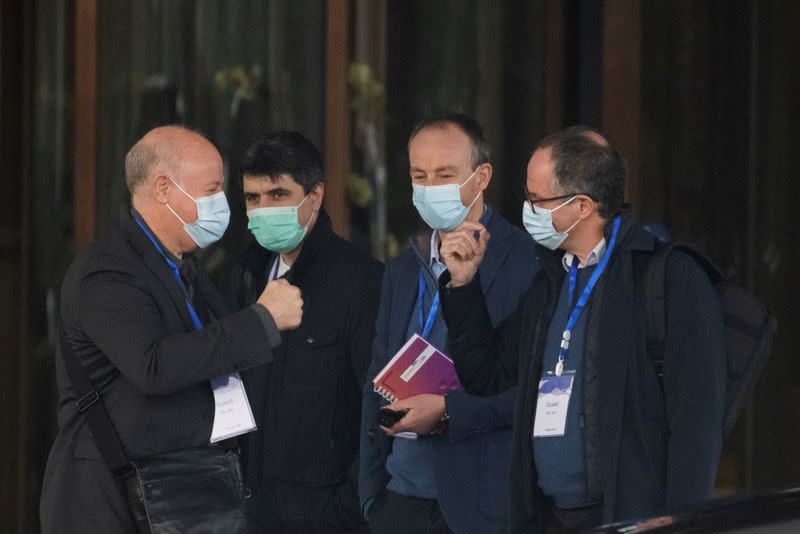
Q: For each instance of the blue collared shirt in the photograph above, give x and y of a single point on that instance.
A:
(411, 464)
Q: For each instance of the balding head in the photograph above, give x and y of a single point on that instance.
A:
(167, 171)
(161, 151)
(584, 162)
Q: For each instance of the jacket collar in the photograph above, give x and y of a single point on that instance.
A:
(495, 255)
(155, 262)
(315, 242)
(632, 237)
(259, 260)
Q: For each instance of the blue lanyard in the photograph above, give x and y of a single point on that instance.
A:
(584, 298)
(428, 323)
(277, 266)
(175, 273)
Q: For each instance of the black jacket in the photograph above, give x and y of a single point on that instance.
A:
(647, 451)
(308, 402)
(127, 321)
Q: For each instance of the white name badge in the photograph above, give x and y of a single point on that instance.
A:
(232, 415)
(551, 406)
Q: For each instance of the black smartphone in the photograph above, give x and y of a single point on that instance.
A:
(388, 417)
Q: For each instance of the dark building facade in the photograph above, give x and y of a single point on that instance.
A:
(700, 97)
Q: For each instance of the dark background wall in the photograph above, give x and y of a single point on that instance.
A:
(701, 97)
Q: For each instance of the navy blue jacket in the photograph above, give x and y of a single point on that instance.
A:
(473, 457)
(648, 450)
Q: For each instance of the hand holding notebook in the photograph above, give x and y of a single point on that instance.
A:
(417, 368)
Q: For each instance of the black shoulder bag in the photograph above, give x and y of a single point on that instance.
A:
(189, 490)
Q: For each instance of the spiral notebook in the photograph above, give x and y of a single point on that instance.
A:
(417, 368)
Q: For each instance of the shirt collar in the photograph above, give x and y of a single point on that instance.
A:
(594, 256)
(279, 267)
(434, 248)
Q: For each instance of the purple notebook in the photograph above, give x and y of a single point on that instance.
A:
(417, 368)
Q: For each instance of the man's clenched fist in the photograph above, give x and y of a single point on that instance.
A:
(283, 301)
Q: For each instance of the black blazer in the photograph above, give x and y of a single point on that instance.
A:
(127, 321)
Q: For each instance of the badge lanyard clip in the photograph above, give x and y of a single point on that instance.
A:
(584, 298)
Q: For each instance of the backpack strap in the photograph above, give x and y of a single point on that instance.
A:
(655, 289)
(91, 406)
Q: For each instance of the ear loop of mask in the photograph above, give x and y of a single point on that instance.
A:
(533, 206)
(175, 214)
(568, 230)
(182, 190)
(305, 228)
(474, 200)
(185, 193)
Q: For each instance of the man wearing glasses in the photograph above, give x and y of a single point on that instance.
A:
(597, 437)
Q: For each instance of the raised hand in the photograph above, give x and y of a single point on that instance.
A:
(462, 251)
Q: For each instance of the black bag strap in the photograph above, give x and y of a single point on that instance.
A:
(91, 406)
(655, 287)
(656, 306)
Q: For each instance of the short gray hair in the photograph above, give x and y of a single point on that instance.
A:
(138, 163)
(158, 148)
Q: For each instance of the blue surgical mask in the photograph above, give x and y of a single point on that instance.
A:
(539, 225)
(277, 228)
(440, 205)
(213, 215)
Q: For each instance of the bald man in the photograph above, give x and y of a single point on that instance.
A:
(143, 323)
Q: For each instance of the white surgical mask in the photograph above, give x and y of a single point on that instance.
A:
(440, 206)
(539, 224)
(213, 215)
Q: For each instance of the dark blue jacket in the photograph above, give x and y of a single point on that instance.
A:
(648, 450)
(473, 457)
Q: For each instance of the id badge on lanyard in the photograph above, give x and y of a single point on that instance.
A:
(552, 405)
(555, 390)
(232, 413)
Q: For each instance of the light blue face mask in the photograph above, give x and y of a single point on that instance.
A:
(440, 205)
(276, 228)
(539, 225)
(213, 215)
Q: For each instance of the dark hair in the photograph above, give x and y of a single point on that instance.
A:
(468, 125)
(586, 163)
(284, 153)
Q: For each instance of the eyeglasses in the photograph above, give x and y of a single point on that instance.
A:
(531, 197)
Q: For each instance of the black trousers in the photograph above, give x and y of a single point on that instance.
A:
(392, 513)
(564, 521)
(294, 509)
